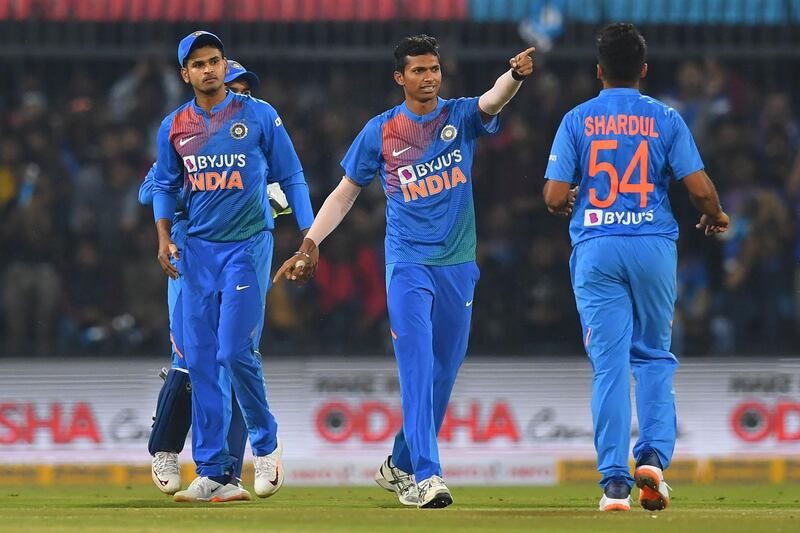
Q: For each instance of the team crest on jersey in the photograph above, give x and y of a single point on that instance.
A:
(239, 130)
(449, 133)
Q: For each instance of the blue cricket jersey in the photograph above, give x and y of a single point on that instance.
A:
(622, 148)
(425, 167)
(217, 164)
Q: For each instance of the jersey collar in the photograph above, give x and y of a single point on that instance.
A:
(619, 91)
(219, 106)
(423, 118)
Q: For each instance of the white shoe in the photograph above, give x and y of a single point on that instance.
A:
(434, 494)
(653, 490)
(616, 496)
(166, 472)
(203, 489)
(615, 504)
(268, 472)
(398, 481)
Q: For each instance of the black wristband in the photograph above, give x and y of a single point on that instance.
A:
(517, 76)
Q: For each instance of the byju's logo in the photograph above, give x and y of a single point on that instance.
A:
(406, 174)
(592, 217)
(190, 163)
(599, 217)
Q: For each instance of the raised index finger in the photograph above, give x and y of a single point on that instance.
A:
(527, 52)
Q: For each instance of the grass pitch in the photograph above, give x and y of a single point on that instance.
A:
(708, 509)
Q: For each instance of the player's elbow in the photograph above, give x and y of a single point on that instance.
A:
(554, 197)
(700, 187)
(702, 195)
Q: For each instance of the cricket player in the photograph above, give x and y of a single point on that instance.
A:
(422, 150)
(214, 153)
(623, 149)
(173, 414)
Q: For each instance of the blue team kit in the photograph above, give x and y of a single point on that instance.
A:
(217, 164)
(425, 168)
(623, 149)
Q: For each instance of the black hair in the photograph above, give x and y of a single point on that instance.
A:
(415, 45)
(621, 51)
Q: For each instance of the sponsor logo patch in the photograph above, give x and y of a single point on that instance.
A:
(190, 163)
(592, 217)
(599, 217)
(406, 174)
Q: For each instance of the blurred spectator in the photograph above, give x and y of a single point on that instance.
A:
(700, 96)
(78, 261)
(92, 298)
(31, 282)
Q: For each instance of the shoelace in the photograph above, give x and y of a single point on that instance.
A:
(202, 483)
(262, 465)
(426, 485)
(405, 482)
(166, 463)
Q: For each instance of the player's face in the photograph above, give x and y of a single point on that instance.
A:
(205, 69)
(421, 78)
(240, 87)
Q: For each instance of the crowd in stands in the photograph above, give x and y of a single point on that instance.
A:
(78, 273)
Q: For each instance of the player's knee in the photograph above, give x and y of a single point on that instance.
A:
(229, 355)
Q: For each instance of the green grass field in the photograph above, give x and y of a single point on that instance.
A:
(563, 508)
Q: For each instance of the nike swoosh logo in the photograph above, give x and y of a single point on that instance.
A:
(186, 140)
(163, 483)
(275, 481)
(469, 303)
(395, 153)
(241, 287)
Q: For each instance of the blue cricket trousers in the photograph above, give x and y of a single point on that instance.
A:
(430, 308)
(625, 290)
(223, 296)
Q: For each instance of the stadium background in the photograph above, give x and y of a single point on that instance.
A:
(83, 314)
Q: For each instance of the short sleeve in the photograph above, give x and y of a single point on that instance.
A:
(682, 154)
(473, 119)
(363, 159)
(562, 164)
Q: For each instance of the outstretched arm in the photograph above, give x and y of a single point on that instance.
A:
(302, 265)
(507, 85)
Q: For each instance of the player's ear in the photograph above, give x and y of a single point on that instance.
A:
(185, 74)
(398, 78)
(643, 73)
(599, 72)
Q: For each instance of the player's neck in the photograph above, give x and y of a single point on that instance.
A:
(607, 85)
(421, 108)
(206, 102)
